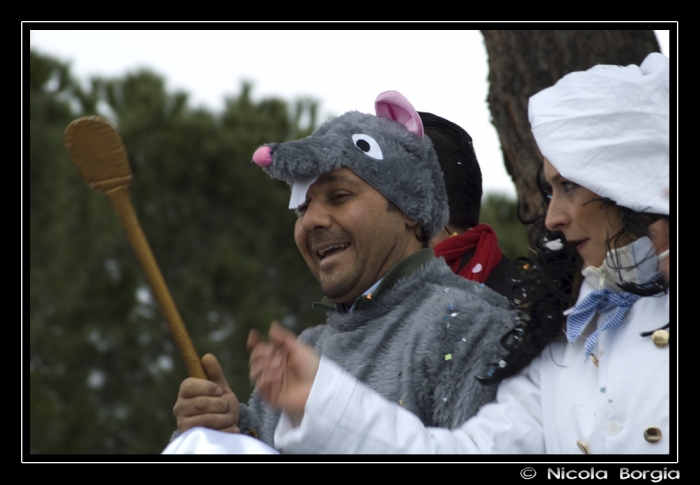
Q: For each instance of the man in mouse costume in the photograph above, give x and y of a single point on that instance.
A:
(369, 195)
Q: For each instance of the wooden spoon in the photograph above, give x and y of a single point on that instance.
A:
(98, 153)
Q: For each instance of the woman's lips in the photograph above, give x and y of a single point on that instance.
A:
(578, 244)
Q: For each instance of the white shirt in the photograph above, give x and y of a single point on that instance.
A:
(560, 403)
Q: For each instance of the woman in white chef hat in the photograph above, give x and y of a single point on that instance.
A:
(603, 388)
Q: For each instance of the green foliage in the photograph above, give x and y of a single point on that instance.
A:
(501, 212)
(103, 371)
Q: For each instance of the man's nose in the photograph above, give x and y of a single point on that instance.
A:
(315, 217)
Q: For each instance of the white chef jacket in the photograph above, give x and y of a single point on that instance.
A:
(562, 403)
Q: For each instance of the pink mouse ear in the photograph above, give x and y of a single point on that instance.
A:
(394, 106)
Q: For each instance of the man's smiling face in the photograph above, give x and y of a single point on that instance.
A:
(349, 234)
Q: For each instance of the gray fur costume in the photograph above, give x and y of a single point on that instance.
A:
(421, 342)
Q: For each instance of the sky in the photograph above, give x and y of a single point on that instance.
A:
(441, 71)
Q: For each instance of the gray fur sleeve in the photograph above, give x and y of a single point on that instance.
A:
(466, 353)
(258, 419)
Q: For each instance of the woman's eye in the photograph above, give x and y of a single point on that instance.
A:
(568, 186)
(338, 197)
(368, 145)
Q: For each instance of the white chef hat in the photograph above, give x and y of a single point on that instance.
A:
(607, 129)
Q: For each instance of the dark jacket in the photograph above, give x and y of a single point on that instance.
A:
(501, 277)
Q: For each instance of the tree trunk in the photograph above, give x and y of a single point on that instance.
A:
(523, 62)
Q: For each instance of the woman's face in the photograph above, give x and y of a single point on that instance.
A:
(586, 223)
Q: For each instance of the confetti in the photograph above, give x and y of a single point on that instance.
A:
(602, 389)
(448, 356)
(477, 268)
(450, 307)
(454, 314)
(501, 363)
(446, 290)
(555, 245)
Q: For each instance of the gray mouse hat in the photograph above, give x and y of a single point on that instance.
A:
(389, 151)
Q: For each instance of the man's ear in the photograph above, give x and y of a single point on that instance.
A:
(418, 231)
(410, 222)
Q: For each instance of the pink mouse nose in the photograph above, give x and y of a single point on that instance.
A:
(262, 156)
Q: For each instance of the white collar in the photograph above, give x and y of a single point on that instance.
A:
(634, 263)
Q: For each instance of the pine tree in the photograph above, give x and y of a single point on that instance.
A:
(103, 370)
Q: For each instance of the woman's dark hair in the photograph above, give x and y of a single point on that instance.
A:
(635, 225)
(549, 280)
(546, 284)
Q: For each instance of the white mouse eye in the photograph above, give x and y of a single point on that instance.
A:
(368, 145)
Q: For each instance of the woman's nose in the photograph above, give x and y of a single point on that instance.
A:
(555, 219)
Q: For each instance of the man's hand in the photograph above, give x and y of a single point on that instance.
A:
(208, 403)
(283, 369)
